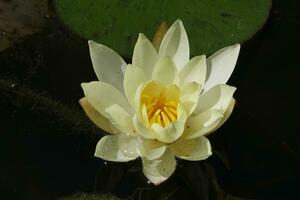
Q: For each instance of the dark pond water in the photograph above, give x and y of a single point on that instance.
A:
(47, 143)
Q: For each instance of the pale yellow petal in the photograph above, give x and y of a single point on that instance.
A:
(189, 96)
(142, 130)
(108, 65)
(152, 149)
(192, 149)
(172, 131)
(226, 114)
(121, 119)
(221, 65)
(176, 45)
(194, 71)
(117, 148)
(165, 72)
(159, 170)
(202, 124)
(134, 77)
(144, 55)
(96, 117)
(217, 98)
(102, 95)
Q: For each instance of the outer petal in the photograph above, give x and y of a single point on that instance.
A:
(159, 170)
(226, 114)
(102, 95)
(202, 123)
(176, 45)
(173, 131)
(96, 117)
(118, 148)
(121, 119)
(134, 76)
(194, 71)
(189, 96)
(221, 65)
(144, 55)
(108, 65)
(217, 98)
(165, 71)
(152, 149)
(192, 149)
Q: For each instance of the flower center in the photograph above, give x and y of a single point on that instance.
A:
(159, 103)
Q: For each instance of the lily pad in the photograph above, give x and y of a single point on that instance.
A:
(210, 25)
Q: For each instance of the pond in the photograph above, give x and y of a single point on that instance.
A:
(48, 143)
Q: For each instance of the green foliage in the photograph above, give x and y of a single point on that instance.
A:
(211, 25)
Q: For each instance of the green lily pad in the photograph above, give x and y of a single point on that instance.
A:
(210, 25)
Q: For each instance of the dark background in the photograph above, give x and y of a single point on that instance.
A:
(47, 143)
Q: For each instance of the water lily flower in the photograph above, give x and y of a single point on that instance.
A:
(161, 106)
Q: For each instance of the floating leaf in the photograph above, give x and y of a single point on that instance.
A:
(210, 25)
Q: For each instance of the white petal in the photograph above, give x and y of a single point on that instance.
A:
(96, 117)
(202, 123)
(173, 131)
(108, 65)
(194, 70)
(143, 131)
(192, 149)
(134, 76)
(159, 170)
(118, 148)
(121, 119)
(189, 96)
(152, 149)
(217, 98)
(165, 71)
(221, 65)
(176, 45)
(144, 55)
(102, 95)
(226, 114)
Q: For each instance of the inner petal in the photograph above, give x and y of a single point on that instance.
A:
(160, 103)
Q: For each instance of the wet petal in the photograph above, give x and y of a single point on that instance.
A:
(192, 149)
(159, 170)
(118, 148)
(121, 119)
(152, 149)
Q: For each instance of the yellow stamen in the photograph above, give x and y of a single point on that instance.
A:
(154, 117)
(160, 103)
(171, 104)
(171, 115)
(172, 110)
(165, 118)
